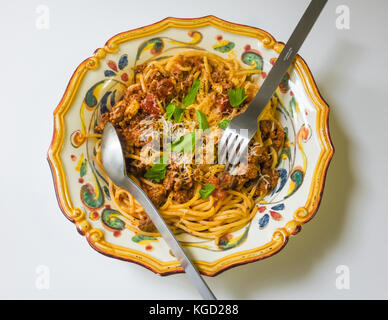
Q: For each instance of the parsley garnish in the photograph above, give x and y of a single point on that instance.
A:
(185, 143)
(190, 97)
(236, 96)
(201, 119)
(157, 172)
(206, 191)
(173, 111)
(224, 124)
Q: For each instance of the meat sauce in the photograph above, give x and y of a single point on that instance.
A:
(138, 106)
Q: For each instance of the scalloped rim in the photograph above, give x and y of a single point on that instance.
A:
(95, 237)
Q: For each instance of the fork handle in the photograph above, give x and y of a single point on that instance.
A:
(284, 60)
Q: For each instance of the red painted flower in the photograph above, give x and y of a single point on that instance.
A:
(111, 64)
(124, 77)
(276, 215)
(262, 209)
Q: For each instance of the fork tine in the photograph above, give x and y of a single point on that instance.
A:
(230, 138)
(242, 150)
(232, 141)
(222, 146)
(232, 153)
(235, 157)
(231, 161)
(239, 154)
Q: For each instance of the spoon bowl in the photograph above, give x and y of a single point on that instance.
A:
(112, 155)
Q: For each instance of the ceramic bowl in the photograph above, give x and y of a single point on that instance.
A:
(98, 83)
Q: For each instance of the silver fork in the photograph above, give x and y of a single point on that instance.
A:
(233, 145)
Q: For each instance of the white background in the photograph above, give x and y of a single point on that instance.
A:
(349, 229)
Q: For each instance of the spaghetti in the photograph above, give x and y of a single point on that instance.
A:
(168, 102)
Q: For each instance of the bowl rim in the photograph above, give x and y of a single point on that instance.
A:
(280, 237)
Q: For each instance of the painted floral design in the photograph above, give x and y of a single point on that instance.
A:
(223, 46)
(118, 69)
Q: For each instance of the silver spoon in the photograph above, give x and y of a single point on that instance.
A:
(114, 164)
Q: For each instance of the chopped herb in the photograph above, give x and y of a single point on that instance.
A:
(170, 111)
(185, 143)
(236, 96)
(157, 172)
(201, 119)
(190, 97)
(165, 157)
(224, 124)
(178, 114)
(206, 191)
(173, 111)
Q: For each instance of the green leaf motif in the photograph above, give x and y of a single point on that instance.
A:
(253, 58)
(292, 106)
(156, 46)
(89, 196)
(190, 97)
(206, 191)
(297, 176)
(226, 244)
(225, 48)
(236, 96)
(112, 222)
(202, 121)
(84, 168)
(90, 98)
(139, 237)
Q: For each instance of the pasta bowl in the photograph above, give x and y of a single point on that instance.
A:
(100, 81)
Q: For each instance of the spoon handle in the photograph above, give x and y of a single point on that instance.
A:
(169, 237)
